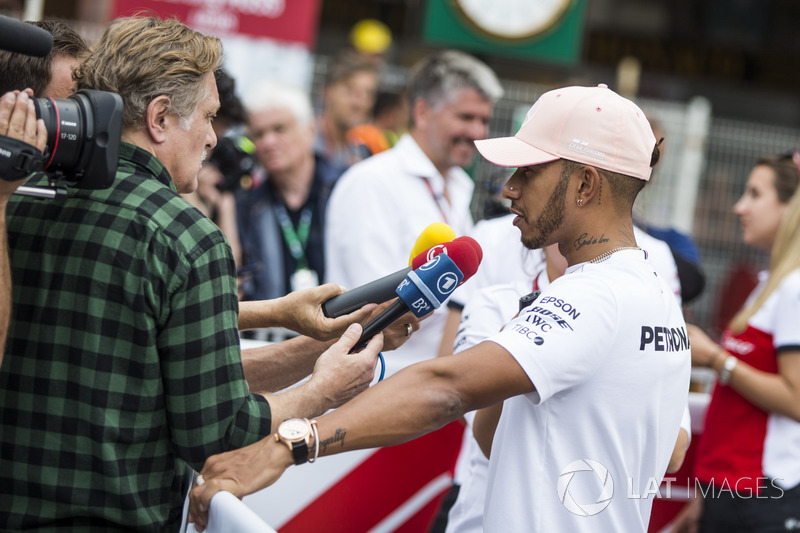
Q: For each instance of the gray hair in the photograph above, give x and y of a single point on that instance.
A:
(269, 95)
(440, 75)
(141, 58)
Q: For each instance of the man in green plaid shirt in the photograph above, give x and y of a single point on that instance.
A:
(123, 368)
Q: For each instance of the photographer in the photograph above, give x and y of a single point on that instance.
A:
(123, 369)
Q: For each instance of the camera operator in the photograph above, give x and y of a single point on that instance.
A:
(123, 367)
(18, 121)
(50, 75)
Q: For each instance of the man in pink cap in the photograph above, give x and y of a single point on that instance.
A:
(591, 377)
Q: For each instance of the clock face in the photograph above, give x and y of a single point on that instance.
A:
(513, 19)
(293, 429)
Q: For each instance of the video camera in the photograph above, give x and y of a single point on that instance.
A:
(83, 138)
(83, 131)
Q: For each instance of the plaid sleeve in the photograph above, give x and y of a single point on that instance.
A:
(208, 401)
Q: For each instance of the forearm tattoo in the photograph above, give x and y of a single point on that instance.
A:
(338, 436)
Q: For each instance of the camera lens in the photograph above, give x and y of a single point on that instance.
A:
(65, 120)
(83, 136)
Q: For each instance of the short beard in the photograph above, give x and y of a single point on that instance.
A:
(553, 215)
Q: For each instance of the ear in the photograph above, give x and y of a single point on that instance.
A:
(157, 117)
(589, 185)
(421, 112)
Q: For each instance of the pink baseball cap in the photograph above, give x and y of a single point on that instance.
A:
(590, 125)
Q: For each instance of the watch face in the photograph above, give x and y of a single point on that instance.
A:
(513, 19)
(293, 429)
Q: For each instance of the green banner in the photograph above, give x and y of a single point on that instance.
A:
(543, 30)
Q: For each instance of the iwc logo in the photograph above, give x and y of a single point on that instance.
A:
(585, 487)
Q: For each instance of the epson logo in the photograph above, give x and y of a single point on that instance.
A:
(567, 307)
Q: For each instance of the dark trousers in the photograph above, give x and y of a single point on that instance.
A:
(773, 510)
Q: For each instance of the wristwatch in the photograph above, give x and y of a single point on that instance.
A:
(727, 369)
(296, 434)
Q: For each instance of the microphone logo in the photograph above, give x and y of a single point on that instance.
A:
(425, 288)
(430, 265)
(447, 282)
(420, 307)
(433, 251)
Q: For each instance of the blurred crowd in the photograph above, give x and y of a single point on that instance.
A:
(335, 187)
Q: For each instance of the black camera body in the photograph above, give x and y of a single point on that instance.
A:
(234, 157)
(83, 137)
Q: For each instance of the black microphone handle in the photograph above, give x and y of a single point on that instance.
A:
(528, 299)
(375, 292)
(395, 310)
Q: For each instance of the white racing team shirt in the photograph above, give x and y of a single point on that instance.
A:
(607, 350)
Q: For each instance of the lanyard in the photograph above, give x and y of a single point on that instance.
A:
(435, 198)
(295, 240)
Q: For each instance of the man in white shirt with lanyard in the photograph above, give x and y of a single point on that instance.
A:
(381, 205)
(589, 371)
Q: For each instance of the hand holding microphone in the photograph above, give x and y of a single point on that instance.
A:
(427, 286)
(382, 289)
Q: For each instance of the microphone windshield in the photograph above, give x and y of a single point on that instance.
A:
(475, 246)
(428, 286)
(461, 252)
(434, 234)
(22, 38)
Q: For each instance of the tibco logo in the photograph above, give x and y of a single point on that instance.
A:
(581, 480)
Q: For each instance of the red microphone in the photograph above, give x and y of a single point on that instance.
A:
(463, 253)
(475, 246)
(383, 289)
(426, 277)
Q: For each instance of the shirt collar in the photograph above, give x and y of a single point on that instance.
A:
(416, 163)
(414, 160)
(131, 157)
